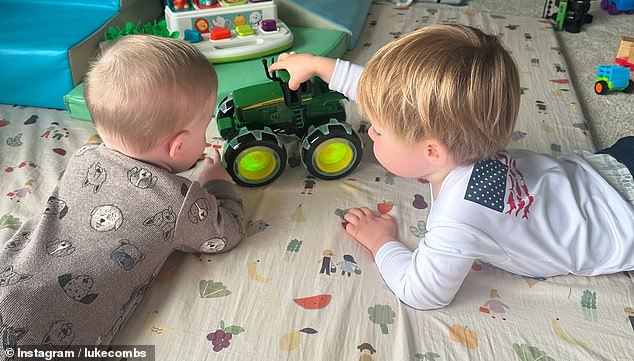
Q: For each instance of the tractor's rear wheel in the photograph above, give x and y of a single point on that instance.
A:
(630, 87)
(601, 87)
(332, 150)
(255, 157)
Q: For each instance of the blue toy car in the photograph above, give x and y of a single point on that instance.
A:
(613, 77)
(617, 6)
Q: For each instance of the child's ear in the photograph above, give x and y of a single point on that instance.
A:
(176, 144)
(436, 152)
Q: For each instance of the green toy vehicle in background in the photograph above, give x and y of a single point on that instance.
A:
(253, 120)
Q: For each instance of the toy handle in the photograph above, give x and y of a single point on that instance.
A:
(284, 75)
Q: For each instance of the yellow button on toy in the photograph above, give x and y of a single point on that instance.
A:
(244, 30)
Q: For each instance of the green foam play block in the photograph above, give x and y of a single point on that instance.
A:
(323, 42)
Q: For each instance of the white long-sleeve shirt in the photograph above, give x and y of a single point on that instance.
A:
(528, 213)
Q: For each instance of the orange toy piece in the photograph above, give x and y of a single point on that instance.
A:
(313, 302)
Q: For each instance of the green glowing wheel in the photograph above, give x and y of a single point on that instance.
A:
(255, 157)
(332, 150)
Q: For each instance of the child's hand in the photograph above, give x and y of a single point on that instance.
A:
(369, 230)
(302, 67)
(213, 169)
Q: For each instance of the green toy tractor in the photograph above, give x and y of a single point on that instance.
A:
(253, 120)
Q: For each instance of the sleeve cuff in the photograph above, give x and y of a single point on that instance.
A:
(383, 253)
(219, 186)
(345, 78)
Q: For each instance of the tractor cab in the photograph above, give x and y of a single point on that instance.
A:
(291, 97)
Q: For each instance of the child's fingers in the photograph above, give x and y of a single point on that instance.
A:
(387, 217)
(283, 56)
(215, 155)
(357, 212)
(352, 230)
(351, 217)
(293, 85)
(362, 212)
(278, 64)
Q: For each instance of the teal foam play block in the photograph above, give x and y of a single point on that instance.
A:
(349, 15)
(34, 41)
(329, 43)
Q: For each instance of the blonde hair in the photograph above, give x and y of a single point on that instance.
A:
(145, 88)
(450, 82)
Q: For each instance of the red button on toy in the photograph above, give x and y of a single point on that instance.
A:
(219, 33)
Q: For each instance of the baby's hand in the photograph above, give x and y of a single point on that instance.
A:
(302, 67)
(213, 169)
(370, 230)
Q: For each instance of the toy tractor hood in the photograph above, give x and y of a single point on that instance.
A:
(258, 95)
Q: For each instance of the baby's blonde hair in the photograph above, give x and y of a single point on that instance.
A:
(450, 82)
(145, 88)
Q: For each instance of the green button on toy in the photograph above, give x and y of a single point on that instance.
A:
(244, 30)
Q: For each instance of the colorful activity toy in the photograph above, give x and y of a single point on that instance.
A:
(229, 30)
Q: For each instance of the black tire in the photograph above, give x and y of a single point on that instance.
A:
(255, 157)
(601, 87)
(588, 19)
(629, 88)
(573, 28)
(332, 150)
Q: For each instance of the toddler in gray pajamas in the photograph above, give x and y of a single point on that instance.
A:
(74, 275)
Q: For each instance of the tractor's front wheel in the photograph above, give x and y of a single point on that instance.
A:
(255, 157)
(629, 88)
(332, 150)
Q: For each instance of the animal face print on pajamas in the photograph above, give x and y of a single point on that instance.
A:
(60, 335)
(95, 177)
(8, 277)
(213, 245)
(142, 178)
(199, 211)
(78, 288)
(126, 255)
(59, 248)
(18, 241)
(56, 206)
(106, 218)
(164, 220)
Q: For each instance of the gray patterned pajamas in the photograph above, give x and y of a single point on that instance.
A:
(74, 275)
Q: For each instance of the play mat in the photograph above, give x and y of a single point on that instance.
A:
(298, 288)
